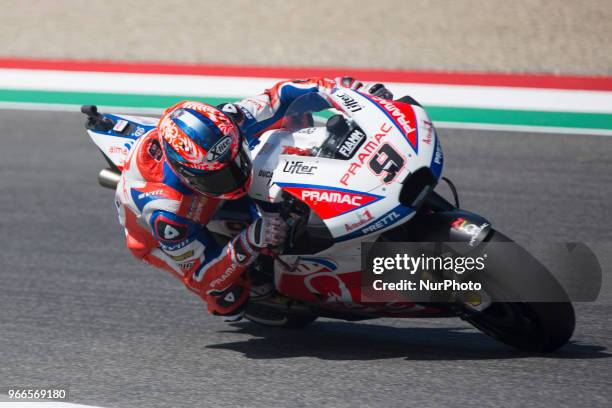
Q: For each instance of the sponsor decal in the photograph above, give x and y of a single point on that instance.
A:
(175, 247)
(142, 198)
(233, 112)
(365, 152)
(307, 131)
(402, 115)
(186, 265)
(227, 297)
(128, 145)
(329, 203)
(427, 138)
(170, 231)
(298, 167)
(362, 219)
(246, 113)
(437, 160)
(120, 125)
(219, 149)
(229, 108)
(349, 102)
(473, 230)
(383, 222)
(265, 173)
(139, 131)
(221, 279)
(331, 197)
(351, 143)
(183, 256)
(150, 194)
(118, 150)
(438, 156)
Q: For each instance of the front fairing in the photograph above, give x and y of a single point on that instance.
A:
(359, 195)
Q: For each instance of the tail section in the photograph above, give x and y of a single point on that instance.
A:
(114, 135)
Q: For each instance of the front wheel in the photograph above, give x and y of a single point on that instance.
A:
(534, 327)
(529, 326)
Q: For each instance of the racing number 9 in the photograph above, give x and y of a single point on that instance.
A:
(387, 160)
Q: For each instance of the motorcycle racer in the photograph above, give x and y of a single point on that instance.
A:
(178, 175)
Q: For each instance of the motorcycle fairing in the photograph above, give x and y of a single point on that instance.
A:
(392, 128)
(328, 202)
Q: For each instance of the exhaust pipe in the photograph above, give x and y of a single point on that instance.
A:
(109, 178)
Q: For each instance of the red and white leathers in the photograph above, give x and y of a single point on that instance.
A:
(165, 221)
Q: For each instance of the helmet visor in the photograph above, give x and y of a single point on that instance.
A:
(217, 182)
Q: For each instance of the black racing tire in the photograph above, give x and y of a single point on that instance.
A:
(266, 315)
(528, 326)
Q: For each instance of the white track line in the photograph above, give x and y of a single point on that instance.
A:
(560, 100)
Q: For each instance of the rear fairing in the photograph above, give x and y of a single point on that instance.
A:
(116, 143)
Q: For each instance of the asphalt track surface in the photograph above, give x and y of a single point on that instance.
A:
(76, 310)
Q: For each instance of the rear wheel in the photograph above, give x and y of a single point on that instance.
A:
(529, 326)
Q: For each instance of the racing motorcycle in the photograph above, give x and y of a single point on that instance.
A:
(366, 174)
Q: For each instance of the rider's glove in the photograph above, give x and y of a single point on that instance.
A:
(268, 231)
(373, 88)
(378, 89)
(348, 82)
